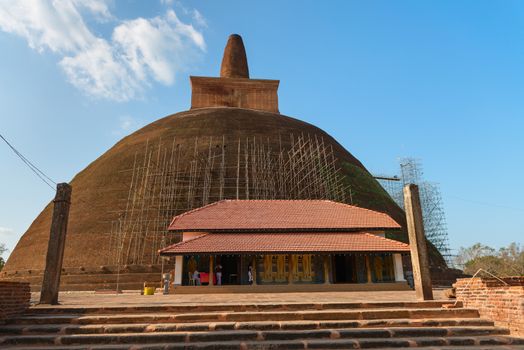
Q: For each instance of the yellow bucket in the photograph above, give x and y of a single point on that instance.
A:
(149, 290)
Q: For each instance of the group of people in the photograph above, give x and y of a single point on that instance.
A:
(218, 274)
(195, 275)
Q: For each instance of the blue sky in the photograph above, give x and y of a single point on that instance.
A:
(442, 81)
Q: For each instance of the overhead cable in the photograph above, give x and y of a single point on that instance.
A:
(46, 179)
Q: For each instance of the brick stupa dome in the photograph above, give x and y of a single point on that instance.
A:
(228, 113)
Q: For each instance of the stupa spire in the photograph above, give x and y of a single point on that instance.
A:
(234, 88)
(234, 62)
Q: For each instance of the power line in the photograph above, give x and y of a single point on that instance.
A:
(46, 179)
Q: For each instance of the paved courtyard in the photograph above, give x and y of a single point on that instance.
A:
(83, 299)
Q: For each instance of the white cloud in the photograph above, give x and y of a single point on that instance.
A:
(157, 46)
(139, 52)
(167, 2)
(5, 231)
(127, 125)
(199, 19)
(97, 7)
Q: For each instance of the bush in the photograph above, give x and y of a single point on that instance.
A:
(507, 261)
(3, 249)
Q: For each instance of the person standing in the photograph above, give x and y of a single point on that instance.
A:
(218, 273)
(196, 277)
(191, 265)
(250, 274)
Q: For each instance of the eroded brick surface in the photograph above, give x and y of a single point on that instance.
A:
(502, 302)
(14, 299)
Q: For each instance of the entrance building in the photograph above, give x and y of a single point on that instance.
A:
(286, 242)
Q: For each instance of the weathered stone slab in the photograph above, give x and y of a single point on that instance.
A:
(222, 336)
(364, 333)
(294, 334)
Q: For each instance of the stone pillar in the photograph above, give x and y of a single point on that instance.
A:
(326, 269)
(254, 265)
(179, 261)
(417, 243)
(399, 270)
(368, 270)
(211, 269)
(56, 245)
(290, 269)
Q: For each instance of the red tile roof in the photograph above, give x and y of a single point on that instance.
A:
(283, 215)
(274, 243)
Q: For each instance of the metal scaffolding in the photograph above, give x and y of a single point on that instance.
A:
(435, 226)
(167, 180)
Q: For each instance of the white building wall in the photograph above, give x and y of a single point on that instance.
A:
(399, 269)
(178, 270)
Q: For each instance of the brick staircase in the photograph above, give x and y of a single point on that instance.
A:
(130, 277)
(91, 281)
(257, 326)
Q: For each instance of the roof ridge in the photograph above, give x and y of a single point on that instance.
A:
(340, 215)
(386, 239)
(195, 210)
(264, 243)
(181, 242)
(277, 200)
(367, 209)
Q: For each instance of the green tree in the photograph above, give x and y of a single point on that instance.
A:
(513, 259)
(507, 261)
(3, 249)
(466, 255)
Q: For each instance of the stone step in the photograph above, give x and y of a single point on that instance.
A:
(94, 281)
(105, 269)
(163, 342)
(252, 335)
(42, 319)
(255, 325)
(89, 287)
(342, 314)
(466, 347)
(96, 277)
(314, 344)
(72, 287)
(295, 288)
(45, 309)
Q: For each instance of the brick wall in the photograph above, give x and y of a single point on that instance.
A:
(500, 302)
(230, 92)
(14, 299)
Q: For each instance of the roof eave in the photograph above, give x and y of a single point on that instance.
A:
(275, 230)
(392, 251)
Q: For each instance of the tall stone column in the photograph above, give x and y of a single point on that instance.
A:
(417, 243)
(211, 270)
(368, 270)
(56, 245)
(290, 269)
(326, 269)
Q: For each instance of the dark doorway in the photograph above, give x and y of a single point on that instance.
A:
(230, 269)
(344, 268)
